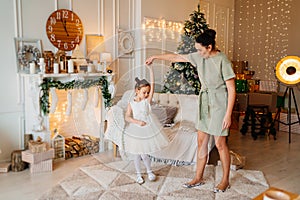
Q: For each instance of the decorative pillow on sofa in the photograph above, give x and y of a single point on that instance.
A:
(165, 114)
(188, 108)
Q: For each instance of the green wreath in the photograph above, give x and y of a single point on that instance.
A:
(74, 84)
(23, 54)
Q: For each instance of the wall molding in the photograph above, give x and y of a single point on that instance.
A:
(21, 131)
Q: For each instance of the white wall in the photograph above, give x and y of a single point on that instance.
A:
(10, 108)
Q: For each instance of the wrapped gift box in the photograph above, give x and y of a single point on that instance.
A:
(295, 128)
(33, 158)
(4, 167)
(43, 166)
(44, 135)
(268, 86)
(37, 147)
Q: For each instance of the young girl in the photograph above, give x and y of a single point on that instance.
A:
(144, 133)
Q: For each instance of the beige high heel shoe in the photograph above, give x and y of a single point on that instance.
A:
(187, 185)
(216, 189)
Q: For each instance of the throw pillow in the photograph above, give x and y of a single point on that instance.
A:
(188, 108)
(165, 114)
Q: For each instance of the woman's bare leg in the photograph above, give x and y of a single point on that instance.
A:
(202, 153)
(225, 159)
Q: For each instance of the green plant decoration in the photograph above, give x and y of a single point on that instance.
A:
(74, 84)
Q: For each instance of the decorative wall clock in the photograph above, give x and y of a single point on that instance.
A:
(64, 29)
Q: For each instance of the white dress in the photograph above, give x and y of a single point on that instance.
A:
(144, 139)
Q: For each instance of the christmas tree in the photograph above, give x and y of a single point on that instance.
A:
(182, 78)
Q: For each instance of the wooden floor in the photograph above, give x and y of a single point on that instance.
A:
(277, 159)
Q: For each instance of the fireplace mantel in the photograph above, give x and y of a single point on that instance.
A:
(38, 124)
(69, 77)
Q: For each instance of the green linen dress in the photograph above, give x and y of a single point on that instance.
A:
(213, 97)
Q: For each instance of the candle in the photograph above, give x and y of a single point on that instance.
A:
(95, 62)
(99, 67)
(70, 66)
(32, 68)
(62, 66)
(90, 68)
(55, 68)
(42, 67)
(42, 60)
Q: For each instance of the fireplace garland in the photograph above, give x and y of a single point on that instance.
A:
(74, 84)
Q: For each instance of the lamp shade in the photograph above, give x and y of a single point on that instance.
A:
(288, 70)
(105, 57)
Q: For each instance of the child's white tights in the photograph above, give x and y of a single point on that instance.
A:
(137, 163)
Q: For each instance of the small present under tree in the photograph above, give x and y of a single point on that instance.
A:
(182, 78)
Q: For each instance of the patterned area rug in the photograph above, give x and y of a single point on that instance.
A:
(116, 180)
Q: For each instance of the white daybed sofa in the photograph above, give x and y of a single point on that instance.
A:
(182, 149)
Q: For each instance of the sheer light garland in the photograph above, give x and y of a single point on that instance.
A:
(262, 34)
(156, 28)
(162, 23)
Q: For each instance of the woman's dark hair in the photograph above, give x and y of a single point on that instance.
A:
(207, 38)
(141, 83)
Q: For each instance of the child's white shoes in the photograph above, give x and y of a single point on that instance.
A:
(151, 176)
(140, 180)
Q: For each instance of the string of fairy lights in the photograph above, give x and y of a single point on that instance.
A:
(262, 34)
(160, 29)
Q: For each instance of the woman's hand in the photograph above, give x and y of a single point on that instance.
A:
(226, 122)
(149, 60)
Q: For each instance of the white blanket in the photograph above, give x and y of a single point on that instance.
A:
(182, 149)
(115, 125)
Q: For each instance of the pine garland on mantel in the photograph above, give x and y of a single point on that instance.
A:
(74, 84)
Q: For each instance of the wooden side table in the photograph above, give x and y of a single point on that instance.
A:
(293, 196)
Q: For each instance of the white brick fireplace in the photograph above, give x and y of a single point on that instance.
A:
(72, 112)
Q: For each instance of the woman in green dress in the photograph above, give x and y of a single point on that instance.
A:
(216, 101)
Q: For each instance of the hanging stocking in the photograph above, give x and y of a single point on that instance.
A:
(69, 105)
(112, 89)
(85, 98)
(96, 97)
(54, 100)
